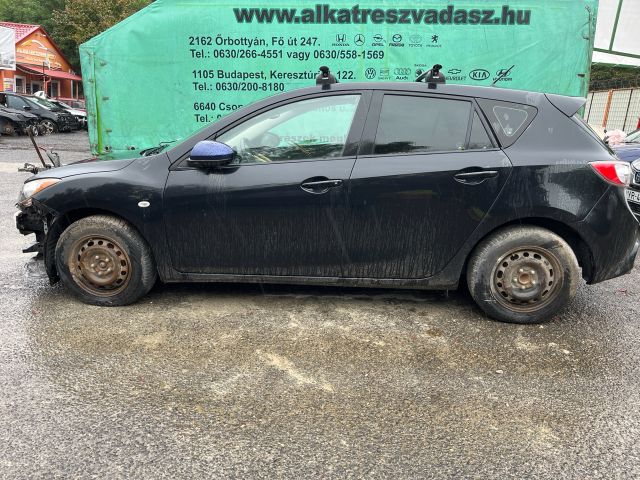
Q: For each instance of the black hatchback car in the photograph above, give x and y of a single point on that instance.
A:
(364, 184)
(52, 118)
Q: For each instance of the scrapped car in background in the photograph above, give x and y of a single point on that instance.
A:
(629, 148)
(80, 115)
(16, 122)
(401, 185)
(51, 118)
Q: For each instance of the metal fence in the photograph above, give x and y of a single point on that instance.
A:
(614, 109)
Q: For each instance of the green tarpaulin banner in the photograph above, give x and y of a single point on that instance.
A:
(178, 65)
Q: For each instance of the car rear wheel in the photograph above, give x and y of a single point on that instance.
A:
(7, 127)
(103, 260)
(48, 127)
(523, 274)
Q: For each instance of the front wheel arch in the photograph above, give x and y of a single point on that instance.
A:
(61, 222)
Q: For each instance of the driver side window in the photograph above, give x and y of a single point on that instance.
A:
(309, 129)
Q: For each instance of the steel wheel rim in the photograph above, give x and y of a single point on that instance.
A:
(527, 279)
(99, 265)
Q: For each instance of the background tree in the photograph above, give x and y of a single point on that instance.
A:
(70, 22)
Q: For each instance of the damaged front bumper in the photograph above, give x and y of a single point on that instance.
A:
(30, 220)
(33, 217)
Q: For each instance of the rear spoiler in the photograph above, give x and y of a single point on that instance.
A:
(567, 105)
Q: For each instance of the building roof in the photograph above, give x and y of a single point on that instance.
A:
(22, 29)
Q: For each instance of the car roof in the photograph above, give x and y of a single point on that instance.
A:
(492, 93)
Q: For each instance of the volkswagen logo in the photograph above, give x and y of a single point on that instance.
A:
(370, 73)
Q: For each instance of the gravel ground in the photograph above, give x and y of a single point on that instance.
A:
(71, 147)
(211, 381)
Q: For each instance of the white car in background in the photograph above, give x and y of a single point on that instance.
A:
(80, 115)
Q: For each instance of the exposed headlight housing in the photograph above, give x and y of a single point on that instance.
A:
(34, 186)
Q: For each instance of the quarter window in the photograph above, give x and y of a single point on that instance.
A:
(419, 124)
(309, 129)
(508, 120)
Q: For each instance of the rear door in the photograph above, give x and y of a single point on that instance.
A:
(427, 173)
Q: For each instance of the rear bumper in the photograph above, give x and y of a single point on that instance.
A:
(612, 234)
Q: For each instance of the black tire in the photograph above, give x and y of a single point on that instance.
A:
(7, 127)
(523, 274)
(89, 249)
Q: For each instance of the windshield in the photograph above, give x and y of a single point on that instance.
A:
(633, 137)
(62, 104)
(44, 103)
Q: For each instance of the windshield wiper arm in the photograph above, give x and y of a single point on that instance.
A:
(157, 149)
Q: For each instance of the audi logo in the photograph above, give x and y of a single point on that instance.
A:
(401, 71)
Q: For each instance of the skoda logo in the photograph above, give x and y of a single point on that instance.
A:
(479, 74)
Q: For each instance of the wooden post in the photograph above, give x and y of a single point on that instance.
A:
(606, 109)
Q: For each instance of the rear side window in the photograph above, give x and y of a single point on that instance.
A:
(479, 139)
(507, 119)
(15, 102)
(421, 124)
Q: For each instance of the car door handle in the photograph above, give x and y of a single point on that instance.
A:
(475, 177)
(320, 185)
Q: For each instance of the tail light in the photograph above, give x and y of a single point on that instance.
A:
(617, 173)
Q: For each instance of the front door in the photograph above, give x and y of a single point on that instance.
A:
(427, 176)
(279, 209)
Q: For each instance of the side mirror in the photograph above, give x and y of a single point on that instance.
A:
(210, 154)
(27, 107)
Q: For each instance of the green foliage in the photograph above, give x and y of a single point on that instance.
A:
(70, 22)
(605, 77)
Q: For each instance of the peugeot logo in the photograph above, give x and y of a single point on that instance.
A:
(479, 74)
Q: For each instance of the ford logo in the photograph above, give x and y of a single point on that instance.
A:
(479, 74)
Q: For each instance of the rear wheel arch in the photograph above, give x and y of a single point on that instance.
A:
(576, 242)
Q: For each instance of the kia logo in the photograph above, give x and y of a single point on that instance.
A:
(479, 74)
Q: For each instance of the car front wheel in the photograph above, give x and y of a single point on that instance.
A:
(523, 274)
(103, 260)
(48, 127)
